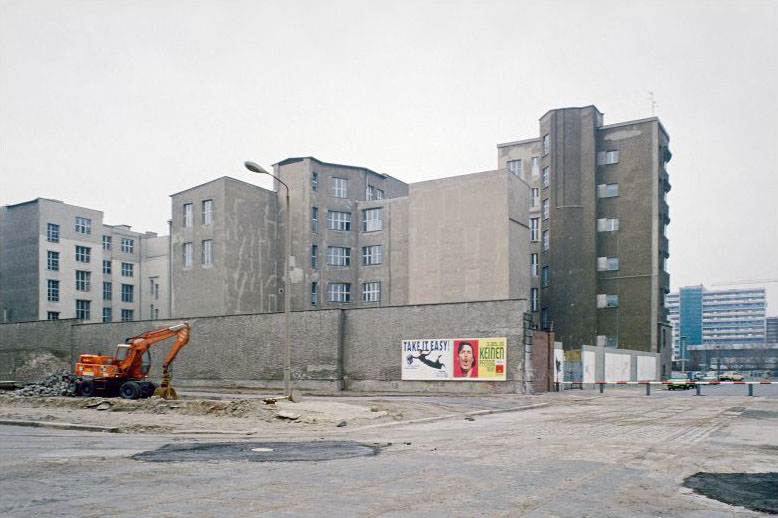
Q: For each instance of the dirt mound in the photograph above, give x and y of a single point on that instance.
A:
(38, 366)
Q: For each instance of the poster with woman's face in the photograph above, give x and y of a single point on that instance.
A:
(460, 359)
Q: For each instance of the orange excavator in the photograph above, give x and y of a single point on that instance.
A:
(126, 372)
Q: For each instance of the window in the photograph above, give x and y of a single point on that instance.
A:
(545, 177)
(545, 277)
(52, 232)
(52, 261)
(52, 315)
(314, 219)
(534, 228)
(534, 198)
(339, 187)
(607, 190)
(607, 264)
(128, 245)
(154, 287)
(52, 290)
(612, 341)
(187, 214)
(314, 294)
(83, 225)
(82, 280)
(314, 256)
(533, 264)
(535, 166)
(369, 192)
(371, 220)
(534, 297)
(371, 292)
(127, 292)
(154, 312)
(107, 242)
(314, 181)
(187, 255)
(338, 220)
(339, 292)
(127, 269)
(207, 212)
(546, 144)
(338, 256)
(607, 224)
(82, 254)
(107, 314)
(607, 157)
(514, 167)
(607, 301)
(371, 255)
(544, 246)
(545, 211)
(107, 290)
(82, 309)
(128, 315)
(544, 320)
(207, 246)
(106, 266)
(379, 194)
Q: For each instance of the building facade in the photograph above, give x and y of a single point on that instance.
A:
(598, 214)
(61, 261)
(717, 326)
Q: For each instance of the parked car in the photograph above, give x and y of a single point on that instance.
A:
(710, 376)
(681, 382)
(731, 376)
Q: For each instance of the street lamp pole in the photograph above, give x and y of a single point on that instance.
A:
(256, 168)
(683, 354)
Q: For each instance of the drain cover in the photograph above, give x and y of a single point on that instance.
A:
(755, 491)
(257, 451)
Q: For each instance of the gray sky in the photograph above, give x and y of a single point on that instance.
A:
(115, 105)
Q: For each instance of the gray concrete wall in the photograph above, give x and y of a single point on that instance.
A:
(356, 349)
(19, 263)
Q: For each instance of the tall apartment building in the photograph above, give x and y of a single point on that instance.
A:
(720, 323)
(597, 222)
(771, 331)
(62, 261)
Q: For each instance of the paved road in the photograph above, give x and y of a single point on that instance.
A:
(623, 454)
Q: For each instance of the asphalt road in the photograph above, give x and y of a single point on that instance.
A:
(621, 454)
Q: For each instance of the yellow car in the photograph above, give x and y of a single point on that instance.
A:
(731, 376)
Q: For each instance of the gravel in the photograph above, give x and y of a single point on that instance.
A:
(59, 383)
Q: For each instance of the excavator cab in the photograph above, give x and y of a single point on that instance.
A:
(121, 354)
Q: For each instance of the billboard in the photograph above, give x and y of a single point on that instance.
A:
(454, 359)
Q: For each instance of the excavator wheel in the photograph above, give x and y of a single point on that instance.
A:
(129, 390)
(166, 392)
(86, 388)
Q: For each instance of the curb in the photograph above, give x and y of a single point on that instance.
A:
(61, 426)
(450, 416)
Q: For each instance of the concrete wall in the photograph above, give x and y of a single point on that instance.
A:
(19, 261)
(357, 349)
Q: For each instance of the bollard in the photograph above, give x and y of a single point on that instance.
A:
(602, 387)
(697, 387)
(648, 389)
(750, 389)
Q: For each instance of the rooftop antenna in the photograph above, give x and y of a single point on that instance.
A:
(653, 102)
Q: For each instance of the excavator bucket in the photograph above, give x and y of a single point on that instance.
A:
(165, 391)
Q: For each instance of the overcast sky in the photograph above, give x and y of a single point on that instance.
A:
(115, 105)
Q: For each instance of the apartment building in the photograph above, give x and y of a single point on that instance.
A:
(723, 324)
(61, 261)
(597, 223)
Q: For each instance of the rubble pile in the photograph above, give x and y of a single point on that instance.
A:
(59, 383)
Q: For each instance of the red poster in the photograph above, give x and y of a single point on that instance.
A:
(466, 358)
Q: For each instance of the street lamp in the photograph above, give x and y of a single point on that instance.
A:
(256, 168)
(683, 354)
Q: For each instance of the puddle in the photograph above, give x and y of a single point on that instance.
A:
(755, 491)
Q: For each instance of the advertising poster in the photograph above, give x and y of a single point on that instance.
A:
(454, 359)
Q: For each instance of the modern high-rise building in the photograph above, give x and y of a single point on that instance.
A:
(722, 324)
(61, 261)
(771, 331)
(598, 215)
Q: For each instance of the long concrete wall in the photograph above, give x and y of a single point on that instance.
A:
(332, 350)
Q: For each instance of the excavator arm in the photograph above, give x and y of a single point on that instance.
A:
(131, 364)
